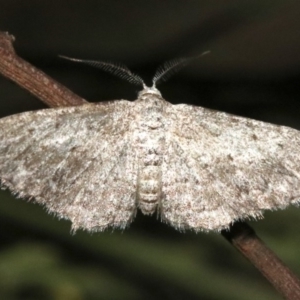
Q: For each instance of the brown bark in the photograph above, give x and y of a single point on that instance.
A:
(244, 239)
(33, 80)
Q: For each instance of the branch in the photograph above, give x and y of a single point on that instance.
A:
(33, 80)
(244, 239)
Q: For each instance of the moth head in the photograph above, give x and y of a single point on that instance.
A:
(149, 90)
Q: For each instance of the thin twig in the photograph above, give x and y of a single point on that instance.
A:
(244, 239)
(33, 80)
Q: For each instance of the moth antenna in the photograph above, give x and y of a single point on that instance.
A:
(169, 68)
(117, 69)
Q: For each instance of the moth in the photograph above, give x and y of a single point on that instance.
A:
(198, 169)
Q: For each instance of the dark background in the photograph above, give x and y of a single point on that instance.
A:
(253, 70)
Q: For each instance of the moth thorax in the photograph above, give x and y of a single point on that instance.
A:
(152, 116)
(149, 188)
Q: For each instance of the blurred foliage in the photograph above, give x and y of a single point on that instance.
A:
(40, 259)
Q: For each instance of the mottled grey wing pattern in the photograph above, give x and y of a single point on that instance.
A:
(62, 158)
(220, 168)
